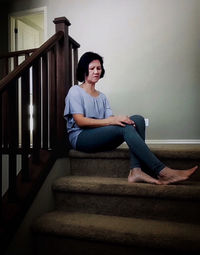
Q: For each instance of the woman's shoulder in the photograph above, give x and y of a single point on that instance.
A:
(102, 95)
(74, 90)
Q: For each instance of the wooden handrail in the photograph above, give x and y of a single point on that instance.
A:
(17, 53)
(23, 52)
(75, 45)
(28, 62)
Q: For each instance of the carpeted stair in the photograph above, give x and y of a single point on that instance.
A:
(98, 212)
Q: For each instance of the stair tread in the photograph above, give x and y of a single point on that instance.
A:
(124, 230)
(161, 150)
(120, 186)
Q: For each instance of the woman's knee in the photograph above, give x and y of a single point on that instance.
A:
(138, 119)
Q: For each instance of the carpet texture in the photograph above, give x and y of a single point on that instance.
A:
(98, 212)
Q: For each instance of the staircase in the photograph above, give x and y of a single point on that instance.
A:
(98, 212)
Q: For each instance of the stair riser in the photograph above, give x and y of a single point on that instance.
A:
(100, 167)
(126, 206)
(120, 167)
(51, 245)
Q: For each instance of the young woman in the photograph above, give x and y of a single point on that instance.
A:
(92, 127)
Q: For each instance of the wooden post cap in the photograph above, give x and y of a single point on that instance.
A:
(62, 20)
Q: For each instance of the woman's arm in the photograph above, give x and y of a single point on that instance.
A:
(82, 121)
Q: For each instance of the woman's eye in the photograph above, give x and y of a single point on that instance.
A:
(92, 68)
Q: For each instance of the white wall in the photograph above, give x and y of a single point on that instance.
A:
(152, 56)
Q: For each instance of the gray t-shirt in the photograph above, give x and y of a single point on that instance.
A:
(78, 101)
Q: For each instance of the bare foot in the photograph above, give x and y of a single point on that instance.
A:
(137, 175)
(168, 175)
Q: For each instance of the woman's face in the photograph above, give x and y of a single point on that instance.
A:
(94, 72)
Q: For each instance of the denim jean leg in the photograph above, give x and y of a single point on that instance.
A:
(100, 139)
(140, 127)
(141, 150)
(134, 161)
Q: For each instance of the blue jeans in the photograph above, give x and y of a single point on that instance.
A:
(110, 137)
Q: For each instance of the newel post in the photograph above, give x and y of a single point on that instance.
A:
(62, 81)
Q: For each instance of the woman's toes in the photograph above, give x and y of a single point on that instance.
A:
(168, 175)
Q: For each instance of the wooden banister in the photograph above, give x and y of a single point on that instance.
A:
(41, 80)
(11, 60)
(74, 44)
(49, 73)
(17, 53)
(26, 64)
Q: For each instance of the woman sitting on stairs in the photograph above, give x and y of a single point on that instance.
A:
(93, 128)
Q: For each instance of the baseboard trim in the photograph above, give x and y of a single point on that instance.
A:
(174, 141)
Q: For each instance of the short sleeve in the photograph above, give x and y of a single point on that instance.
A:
(108, 111)
(73, 103)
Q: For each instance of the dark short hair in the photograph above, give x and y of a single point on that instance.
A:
(83, 65)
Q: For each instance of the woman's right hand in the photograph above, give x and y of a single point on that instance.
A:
(121, 120)
(85, 122)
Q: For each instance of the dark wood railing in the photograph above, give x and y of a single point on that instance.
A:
(41, 80)
(9, 61)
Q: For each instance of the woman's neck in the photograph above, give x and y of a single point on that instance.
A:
(90, 89)
(89, 86)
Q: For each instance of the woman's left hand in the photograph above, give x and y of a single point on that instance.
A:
(130, 121)
(121, 120)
